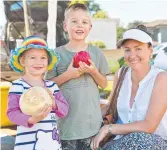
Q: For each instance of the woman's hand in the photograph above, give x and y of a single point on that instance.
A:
(99, 137)
(83, 67)
(41, 115)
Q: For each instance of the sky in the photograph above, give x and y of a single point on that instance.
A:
(130, 10)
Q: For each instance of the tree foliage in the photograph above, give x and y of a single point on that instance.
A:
(40, 4)
(100, 14)
(120, 31)
(99, 44)
(134, 24)
(93, 7)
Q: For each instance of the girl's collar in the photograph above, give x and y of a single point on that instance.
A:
(31, 84)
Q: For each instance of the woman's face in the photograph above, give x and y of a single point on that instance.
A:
(137, 54)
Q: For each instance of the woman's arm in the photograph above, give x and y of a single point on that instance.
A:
(155, 113)
(157, 109)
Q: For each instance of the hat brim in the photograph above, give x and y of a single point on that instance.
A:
(120, 42)
(135, 34)
(54, 58)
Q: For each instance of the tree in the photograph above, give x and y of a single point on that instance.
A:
(100, 14)
(120, 31)
(93, 7)
(134, 24)
(41, 4)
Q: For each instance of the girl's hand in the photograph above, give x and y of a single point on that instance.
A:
(41, 115)
(86, 68)
(73, 72)
(54, 106)
(99, 137)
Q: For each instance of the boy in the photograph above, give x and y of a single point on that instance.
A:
(80, 85)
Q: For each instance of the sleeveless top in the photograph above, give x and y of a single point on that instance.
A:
(141, 101)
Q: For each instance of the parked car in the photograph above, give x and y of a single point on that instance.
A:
(160, 47)
(160, 54)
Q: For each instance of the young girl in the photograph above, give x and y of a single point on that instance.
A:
(39, 132)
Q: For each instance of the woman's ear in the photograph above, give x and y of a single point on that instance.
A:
(151, 50)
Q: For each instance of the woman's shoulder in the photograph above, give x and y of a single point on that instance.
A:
(162, 77)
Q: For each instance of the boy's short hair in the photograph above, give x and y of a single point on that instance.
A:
(74, 7)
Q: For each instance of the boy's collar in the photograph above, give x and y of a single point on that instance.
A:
(75, 50)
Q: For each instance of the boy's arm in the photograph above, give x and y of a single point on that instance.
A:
(14, 113)
(98, 71)
(100, 79)
(70, 73)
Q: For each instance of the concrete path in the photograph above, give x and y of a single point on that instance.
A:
(7, 135)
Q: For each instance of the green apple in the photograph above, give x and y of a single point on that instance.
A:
(113, 65)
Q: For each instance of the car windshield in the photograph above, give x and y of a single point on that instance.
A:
(156, 48)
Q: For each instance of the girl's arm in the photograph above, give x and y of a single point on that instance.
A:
(62, 106)
(14, 113)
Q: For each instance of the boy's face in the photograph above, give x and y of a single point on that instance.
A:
(77, 24)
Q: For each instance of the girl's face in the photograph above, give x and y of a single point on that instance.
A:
(137, 54)
(77, 24)
(35, 62)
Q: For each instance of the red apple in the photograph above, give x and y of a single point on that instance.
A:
(81, 56)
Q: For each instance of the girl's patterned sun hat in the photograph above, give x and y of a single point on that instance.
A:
(32, 42)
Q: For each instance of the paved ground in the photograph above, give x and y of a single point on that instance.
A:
(7, 135)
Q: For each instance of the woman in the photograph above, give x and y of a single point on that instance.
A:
(142, 100)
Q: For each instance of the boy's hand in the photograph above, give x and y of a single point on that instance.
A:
(87, 69)
(73, 72)
(41, 115)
